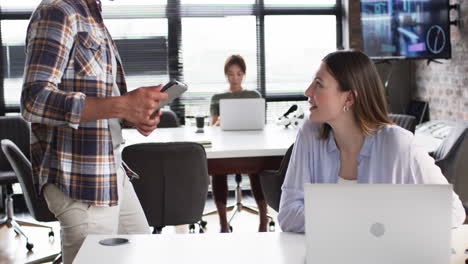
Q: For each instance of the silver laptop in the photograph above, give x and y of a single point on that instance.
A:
(378, 223)
(242, 114)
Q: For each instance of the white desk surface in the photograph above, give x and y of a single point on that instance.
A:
(272, 141)
(272, 248)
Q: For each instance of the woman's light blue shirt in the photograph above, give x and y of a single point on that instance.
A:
(390, 156)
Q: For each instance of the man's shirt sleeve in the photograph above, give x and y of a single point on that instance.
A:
(49, 40)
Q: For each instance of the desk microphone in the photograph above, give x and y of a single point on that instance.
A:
(290, 110)
(286, 120)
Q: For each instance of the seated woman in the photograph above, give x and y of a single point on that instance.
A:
(349, 138)
(235, 69)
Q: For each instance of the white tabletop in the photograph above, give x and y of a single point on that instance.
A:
(272, 141)
(276, 247)
(223, 248)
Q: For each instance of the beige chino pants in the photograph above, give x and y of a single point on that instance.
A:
(78, 219)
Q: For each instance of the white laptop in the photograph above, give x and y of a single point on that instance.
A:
(242, 114)
(378, 223)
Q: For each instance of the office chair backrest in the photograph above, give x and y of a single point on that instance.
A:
(407, 122)
(168, 119)
(272, 181)
(452, 158)
(17, 130)
(36, 204)
(173, 182)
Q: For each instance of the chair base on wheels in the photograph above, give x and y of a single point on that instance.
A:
(238, 207)
(11, 222)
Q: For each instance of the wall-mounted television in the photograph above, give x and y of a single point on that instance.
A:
(406, 29)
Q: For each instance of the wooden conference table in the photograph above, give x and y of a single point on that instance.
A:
(271, 247)
(230, 151)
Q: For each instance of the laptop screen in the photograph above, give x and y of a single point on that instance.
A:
(378, 223)
(242, 114)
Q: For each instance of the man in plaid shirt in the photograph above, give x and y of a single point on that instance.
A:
(75, 96)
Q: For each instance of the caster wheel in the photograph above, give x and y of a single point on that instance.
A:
(203, 224)
(230, 228)
(271, 226)
(191, 228)
(29, 246)
(201, 231)
(51, 234)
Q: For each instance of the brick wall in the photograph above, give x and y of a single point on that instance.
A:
(445, 86)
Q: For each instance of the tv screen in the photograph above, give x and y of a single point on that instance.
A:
(406, 29)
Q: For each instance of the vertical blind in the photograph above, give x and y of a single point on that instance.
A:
(189, 40)
(2, 67)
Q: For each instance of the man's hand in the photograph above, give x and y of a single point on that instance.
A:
(136, 108)
(147, 129)
(140, 104)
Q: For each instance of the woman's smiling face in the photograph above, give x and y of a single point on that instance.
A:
(325, 98)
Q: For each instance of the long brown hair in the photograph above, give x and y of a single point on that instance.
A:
(355, 72)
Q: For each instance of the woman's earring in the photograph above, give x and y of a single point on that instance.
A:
(345, 108)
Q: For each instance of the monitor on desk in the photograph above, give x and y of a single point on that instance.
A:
(242, 114)
(378, 223)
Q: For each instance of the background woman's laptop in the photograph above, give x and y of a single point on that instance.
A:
(242, 114)
(378, 223)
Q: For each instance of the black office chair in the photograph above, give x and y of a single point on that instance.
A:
(272, 181)
(17, 130)
(36, 204)
(168, 119)
(407, 122)
(452, 158)
(173, 184)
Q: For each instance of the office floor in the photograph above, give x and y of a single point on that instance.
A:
(13, 248)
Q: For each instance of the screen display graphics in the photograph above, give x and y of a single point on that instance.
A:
(406, 29)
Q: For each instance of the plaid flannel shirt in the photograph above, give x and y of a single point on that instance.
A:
(68, 58)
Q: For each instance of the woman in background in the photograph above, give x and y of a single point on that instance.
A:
(349, 139)
(235, 69)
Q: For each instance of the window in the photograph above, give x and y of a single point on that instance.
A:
(13, 37)
(142, 45)
(207, 42)
(15, 6)
(300, 2)
(292, 54)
